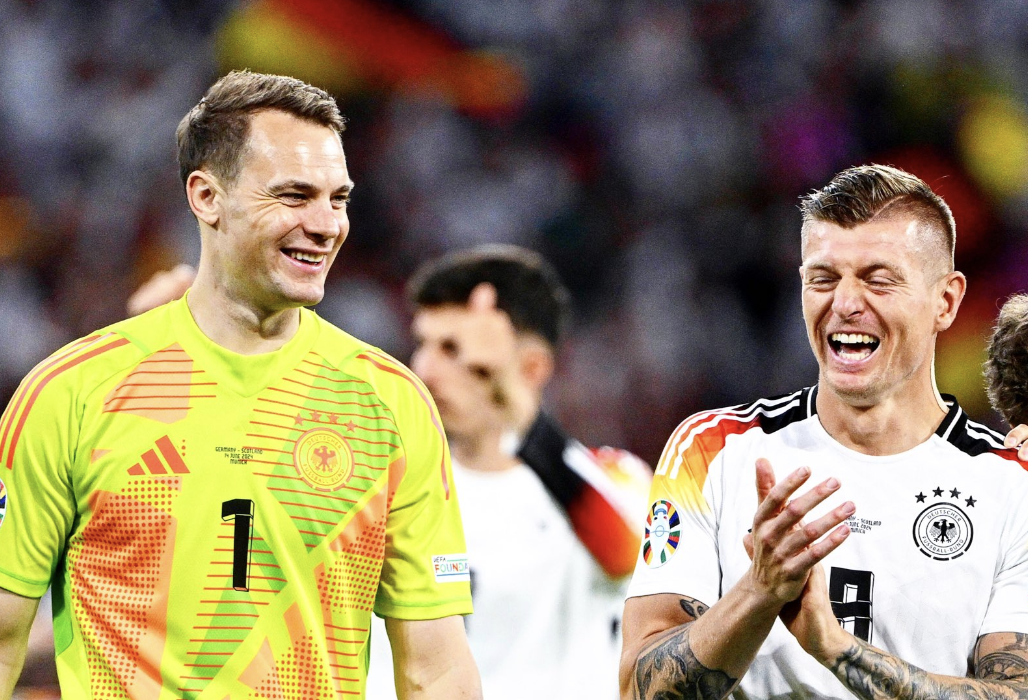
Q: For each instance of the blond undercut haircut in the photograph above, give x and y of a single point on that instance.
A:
(214, 134)
(878, 192)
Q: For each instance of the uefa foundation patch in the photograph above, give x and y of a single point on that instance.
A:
(663, 529)
(450, 568)
(3, 501)
(323, 458)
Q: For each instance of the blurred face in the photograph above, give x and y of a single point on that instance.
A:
(466, 400)
(872, 303)
(284, 217)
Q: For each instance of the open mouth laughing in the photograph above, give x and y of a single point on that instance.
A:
(853, 347)
(311, 259)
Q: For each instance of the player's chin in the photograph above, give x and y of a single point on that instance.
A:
(305, 294)
(853, 389)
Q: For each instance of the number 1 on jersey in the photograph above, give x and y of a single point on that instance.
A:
(241, 511)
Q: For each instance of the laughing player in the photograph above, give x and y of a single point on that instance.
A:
(903, 571)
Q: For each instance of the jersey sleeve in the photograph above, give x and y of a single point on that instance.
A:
(679, 532)
(1007, 611)
(425, 572)
(37, 503)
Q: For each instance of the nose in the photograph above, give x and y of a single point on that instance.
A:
(323, 220)
(425, 366)
(848, 300)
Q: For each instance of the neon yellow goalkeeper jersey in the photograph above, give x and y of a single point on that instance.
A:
(222, 526)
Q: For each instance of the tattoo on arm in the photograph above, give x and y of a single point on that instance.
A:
(693, 607)
(875, 675)
(1007, 662)
(668, 669)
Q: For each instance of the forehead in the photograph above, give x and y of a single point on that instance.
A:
(898, 241)
(283, 145)
(438, 321)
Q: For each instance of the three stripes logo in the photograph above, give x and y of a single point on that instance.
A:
(152, 463)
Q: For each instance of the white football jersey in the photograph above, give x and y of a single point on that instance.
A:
(546, 614)
(938, 553)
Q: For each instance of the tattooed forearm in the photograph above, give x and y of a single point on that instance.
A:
(872, 674)
(668, 669)
(1008, 660)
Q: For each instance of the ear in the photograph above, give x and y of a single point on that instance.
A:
(204, 195)
(536, 363)
(953, 287)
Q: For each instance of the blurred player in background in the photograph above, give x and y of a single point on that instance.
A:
(1006, 370)
(866, 585)
(223, 489)
(548, 521)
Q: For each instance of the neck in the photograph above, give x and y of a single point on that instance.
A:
(482, 452)
(236, 324)
(891, 425)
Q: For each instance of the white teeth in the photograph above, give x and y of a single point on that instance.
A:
(307, 257)
(853, 338)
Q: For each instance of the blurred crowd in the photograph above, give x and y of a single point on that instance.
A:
(653, 150)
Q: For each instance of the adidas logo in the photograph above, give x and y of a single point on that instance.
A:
(151, 463)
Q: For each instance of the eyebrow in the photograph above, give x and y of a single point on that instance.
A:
(306, 187)
(873, 266)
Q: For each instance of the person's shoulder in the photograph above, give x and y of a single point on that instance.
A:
(625, 469)
(92, 358)
(980, 443)
(707, 432)
(391, 379)
(71, 374)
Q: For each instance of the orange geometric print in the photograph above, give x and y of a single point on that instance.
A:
(120, 573)
(365, 534)
(261, 676)
(299, 673)
(161, 387)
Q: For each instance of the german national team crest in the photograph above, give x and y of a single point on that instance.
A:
(663, 529)
(943, 531)
(3, 501)
(324, 459)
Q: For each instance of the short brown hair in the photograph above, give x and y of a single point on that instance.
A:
(528, 288)
(1006, 370)
(867, 192)
(213, 134)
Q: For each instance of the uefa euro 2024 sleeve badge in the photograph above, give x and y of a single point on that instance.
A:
(663, 530)
(943, 530)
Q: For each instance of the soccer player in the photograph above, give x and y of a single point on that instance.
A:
(222, 490)
(902, 572)
(1006, 369)
(549, 523)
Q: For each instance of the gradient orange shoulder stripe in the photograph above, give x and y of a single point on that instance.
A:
(698, 440)
(388, 364)
(7, 420)
(37, 380)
